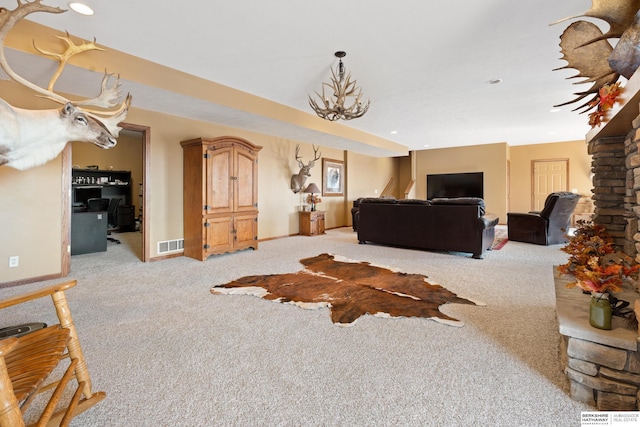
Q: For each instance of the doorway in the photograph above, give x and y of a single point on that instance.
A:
(140, 137)
(548, 176)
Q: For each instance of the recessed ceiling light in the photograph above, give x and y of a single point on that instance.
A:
(393, 132)
(494, 81)
(555, 110)
(425, 145)
(81, 8)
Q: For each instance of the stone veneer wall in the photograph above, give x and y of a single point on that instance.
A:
(616, 180)
(608, 376)
(602, 376)
(603, 366)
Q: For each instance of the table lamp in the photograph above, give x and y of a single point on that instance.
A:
(311, 189)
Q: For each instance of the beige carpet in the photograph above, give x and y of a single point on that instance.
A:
(168, 353)
(500, 239)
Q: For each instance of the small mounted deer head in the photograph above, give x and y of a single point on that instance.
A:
(298, 180)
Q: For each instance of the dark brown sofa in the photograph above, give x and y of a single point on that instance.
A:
(456, 225)
(356, 207)
(547, 227)
(354, 211)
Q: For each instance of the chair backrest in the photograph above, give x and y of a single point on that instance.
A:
(559, 205)
(97, 205)
(113, 211)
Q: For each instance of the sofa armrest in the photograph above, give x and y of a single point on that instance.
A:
(489, 220)
(524, 220)
(527, 227)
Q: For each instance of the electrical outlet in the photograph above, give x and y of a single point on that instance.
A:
(14, 261)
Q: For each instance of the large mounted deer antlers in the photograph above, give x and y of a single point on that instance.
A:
(109, 93)
(30, 138)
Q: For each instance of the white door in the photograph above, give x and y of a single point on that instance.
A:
(548, 176)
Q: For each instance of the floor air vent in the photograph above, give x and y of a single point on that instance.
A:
(170, 246)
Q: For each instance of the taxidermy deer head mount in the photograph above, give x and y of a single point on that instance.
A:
(298, 180)
(30, 138)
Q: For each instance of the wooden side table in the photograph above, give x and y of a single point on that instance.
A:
(312, 223)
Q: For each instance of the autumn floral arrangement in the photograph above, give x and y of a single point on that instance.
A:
(313, 200)
(607, 97)
(594, 263)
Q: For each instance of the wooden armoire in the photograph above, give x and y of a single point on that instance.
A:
(220, 199)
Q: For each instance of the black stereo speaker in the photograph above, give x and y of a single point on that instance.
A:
(20, 330)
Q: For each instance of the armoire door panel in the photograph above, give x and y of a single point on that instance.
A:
(219, 232)
(246, 182)
(246, 230)
(220, 182)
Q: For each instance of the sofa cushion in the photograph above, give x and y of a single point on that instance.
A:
(386, 200)
(413, 202)
(474, 201)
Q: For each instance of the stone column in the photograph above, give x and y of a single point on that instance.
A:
(610, 182)
(632, 199)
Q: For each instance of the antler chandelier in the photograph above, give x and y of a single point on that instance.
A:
(344, 90)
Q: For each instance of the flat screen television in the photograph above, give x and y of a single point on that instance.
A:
(470, 184)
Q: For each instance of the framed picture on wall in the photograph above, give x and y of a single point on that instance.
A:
(332, 177)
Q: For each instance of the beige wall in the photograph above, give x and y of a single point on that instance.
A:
(503, 194)
(31, 208)
(521, 169)
(31, 218)
(278, 205)
(490, 159)
(368, 176)
(31, 205)
(405, 175)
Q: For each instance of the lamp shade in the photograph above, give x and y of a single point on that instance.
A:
(312, 188)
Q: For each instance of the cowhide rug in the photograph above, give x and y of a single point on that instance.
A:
(350, 289)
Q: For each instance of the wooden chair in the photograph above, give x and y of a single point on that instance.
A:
(26, 362)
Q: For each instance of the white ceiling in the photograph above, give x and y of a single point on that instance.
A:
(424, 65)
